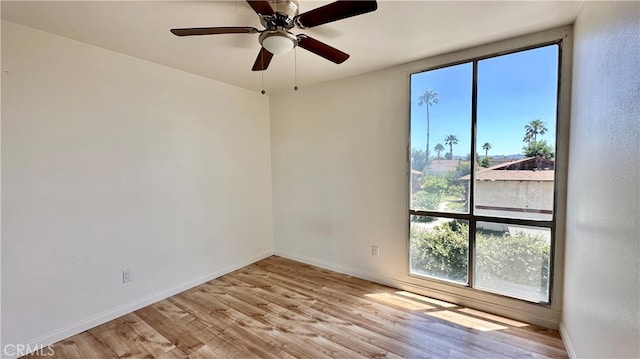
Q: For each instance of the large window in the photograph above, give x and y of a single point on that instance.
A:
(483, 150)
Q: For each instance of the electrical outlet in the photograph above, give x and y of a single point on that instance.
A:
(126, 275)
(375, 251)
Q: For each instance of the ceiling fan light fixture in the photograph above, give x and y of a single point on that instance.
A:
(278, 42)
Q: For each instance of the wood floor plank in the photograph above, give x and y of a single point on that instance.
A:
(130, 336)
(175, 332)
(220, 351)
(81, 346)
(295, 326)
(278, 308)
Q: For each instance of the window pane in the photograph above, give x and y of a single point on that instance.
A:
(441, 138)
(516, 123)
(439, 248)
(513, 260)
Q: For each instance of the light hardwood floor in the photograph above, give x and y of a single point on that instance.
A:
(278, 308)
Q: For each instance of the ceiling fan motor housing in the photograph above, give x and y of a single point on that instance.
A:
(284, 12)
(276, 38)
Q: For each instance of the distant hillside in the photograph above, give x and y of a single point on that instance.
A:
(518, 156)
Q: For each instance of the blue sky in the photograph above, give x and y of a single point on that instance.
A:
(512, 90)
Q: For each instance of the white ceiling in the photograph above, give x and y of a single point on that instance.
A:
(398, 32)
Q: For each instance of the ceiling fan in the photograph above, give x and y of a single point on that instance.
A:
(280, 16)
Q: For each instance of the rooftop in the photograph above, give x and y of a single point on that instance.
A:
(526, 169)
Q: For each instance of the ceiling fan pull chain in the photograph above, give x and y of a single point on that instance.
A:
(262, 77)
(295, 69)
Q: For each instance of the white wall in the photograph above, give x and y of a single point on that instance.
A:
(340, 182)
(339, 172)
(109, 162)
(601, 304)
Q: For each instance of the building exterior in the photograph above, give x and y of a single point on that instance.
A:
(522, 188)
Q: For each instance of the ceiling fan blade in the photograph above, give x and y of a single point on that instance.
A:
(214, 30)
(262, 61)
(321, 49)
(335, 11)
(261, 7)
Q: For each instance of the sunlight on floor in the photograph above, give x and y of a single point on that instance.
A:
(470, 318)
(427, 299)
(466, 320)
(495, 318)
(398, 301)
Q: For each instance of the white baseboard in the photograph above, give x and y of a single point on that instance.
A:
(81, 326)
(567, 342)
(431, 292)
(339, 268)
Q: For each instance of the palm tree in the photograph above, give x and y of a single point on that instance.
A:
(451, 140)
(486, 147)
(532, 129)
(428, 98)
(439, 148)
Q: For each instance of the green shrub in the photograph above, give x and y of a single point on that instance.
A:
(442, 251)
(426, 200)
(458, 187)
(520, 259)
(430, 195)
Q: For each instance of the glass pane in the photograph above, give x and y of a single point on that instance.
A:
(513, 260)
(516, 140)
(441, 138)
(439, 248)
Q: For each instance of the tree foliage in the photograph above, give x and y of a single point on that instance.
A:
(428, 99)
(430, 195)
(425, 200)
(435, 184)
(451, 140)
(458, 187)
(462, 169)
(439, 148)
(532, 129)
(538, 148)
(418, 159)
(486, 147)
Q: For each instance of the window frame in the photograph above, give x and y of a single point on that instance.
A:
(562, 38)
